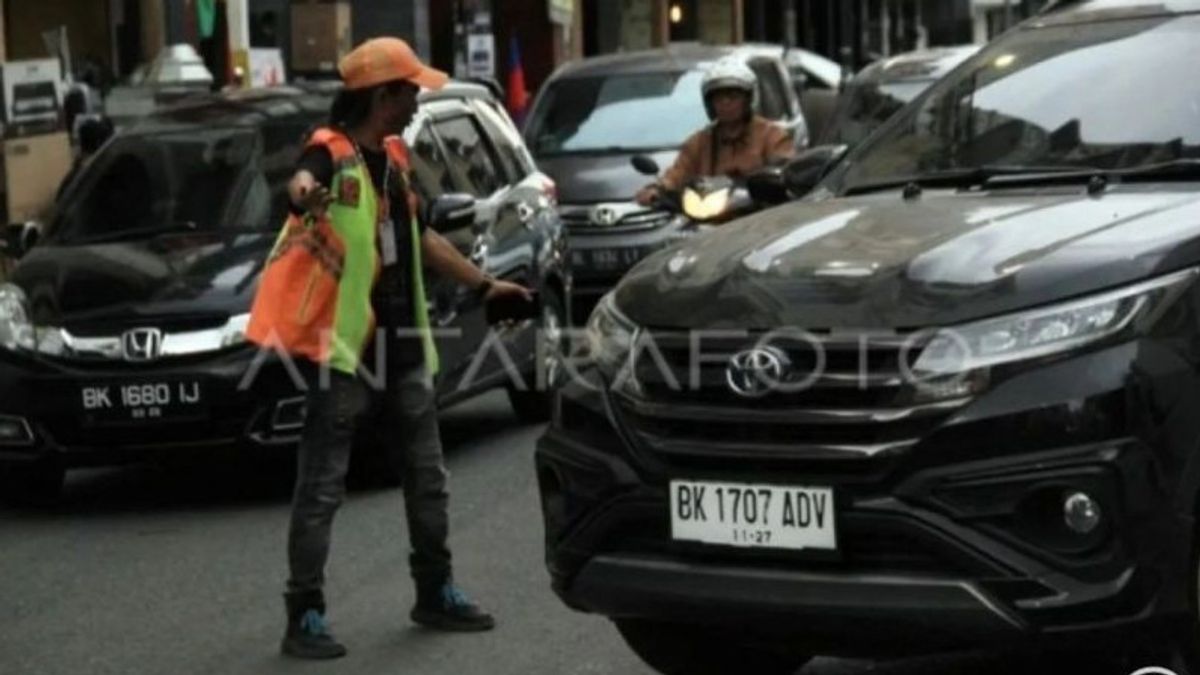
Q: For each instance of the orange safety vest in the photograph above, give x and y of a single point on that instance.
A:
(314, 297)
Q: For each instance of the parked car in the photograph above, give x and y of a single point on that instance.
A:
(818, 82)
(595, 115)
(121, 330)
(947, 401)
(881, 89)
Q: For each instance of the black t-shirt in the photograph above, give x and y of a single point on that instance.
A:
(391, 298)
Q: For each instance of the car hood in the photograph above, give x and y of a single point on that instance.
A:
(589, 178)
(169, 277)
(881, 262)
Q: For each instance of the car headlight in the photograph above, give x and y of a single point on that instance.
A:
(610, 336)
(234, 331)
(1049, 330)
(16, 332)
(707, 207)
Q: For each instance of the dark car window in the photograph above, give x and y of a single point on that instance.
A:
(469, 157)
(772, 100)
(1116, 95)
(647, 111)
(505, 140)
(811, 81)
(430, 174)
(282, 144)
(864, 107)
(145, 182)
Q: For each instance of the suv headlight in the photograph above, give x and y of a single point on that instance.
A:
(15, 330)
(610, 336)
(1049, 330)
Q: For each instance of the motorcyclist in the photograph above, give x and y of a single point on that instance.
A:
(737, 143)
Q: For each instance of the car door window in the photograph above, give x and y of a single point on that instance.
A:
(771, 98)
(431, 174)
(505, 140)
(471, 160)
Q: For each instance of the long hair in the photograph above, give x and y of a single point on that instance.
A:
(352, 107)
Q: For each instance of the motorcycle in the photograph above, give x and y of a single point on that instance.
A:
(715, 200)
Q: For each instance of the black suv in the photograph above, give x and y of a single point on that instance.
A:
(595, 115)
(121, 330)
(948, 400)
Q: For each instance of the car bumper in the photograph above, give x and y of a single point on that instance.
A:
(236, 413)
(822, 607)
(935, 554)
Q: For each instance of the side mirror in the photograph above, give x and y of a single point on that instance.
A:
(766, 187)
(19, 238)
(644, 165)
(451, 212)
(806, 171)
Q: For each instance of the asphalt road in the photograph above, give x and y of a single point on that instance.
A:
(179, 569)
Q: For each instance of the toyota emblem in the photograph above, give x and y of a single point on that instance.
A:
(754, 372)
(605, 216)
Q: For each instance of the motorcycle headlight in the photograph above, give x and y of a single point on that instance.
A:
(707, 207)
(15, 330)
(610, 336)
(234, 331)
(1049, 330)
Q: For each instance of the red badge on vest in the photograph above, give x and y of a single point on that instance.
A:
(349, 191)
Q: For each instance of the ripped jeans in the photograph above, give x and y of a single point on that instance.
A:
(409, 410)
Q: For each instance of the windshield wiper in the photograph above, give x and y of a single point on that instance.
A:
(971, 176)
(1175, 169)
(137, 233)
(1004, 175)
(605, 150)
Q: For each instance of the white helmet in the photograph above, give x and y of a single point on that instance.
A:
(729, 73)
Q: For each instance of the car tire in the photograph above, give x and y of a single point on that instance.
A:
(533, 405)
(38, 484)
(680, 649)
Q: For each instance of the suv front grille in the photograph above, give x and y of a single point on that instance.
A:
(860, 405)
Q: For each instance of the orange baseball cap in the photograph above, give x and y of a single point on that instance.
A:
(387, 59)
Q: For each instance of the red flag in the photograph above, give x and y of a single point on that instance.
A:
(518, 95)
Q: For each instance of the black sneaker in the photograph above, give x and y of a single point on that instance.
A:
(308, 637)
(447, 608)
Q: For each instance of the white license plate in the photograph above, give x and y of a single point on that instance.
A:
(135, 401)
(753, 516)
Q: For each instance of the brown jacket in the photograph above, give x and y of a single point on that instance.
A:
(762, 142)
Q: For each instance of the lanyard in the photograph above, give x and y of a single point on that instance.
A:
(382, 198)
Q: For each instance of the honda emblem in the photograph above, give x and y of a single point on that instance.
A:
(141, 344)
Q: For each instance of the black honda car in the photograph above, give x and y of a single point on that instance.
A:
(948, 400)
(121, 330)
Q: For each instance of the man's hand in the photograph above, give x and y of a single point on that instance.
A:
(501, 288)
(306, 193)
(647, 195)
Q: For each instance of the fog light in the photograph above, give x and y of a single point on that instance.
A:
(1081, 512)
(15, 431)
(289, 414)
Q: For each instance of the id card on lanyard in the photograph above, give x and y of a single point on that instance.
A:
(387, 241)
(387, 227)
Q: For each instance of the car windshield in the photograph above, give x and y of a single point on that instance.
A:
(864, 107)
(144, 184)
(1110, 95)
(647, 111)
